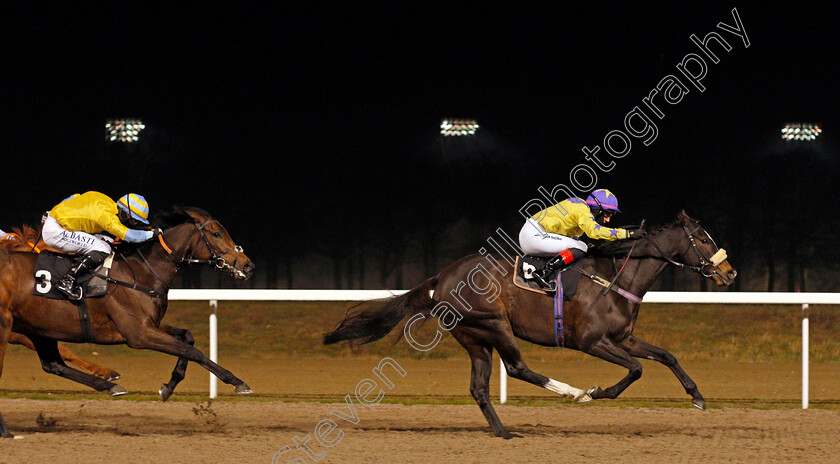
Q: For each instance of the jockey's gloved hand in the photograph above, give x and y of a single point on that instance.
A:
(635, 234)
(137, 236)
(157, 232)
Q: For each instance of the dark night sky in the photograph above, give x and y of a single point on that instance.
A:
(294, 121)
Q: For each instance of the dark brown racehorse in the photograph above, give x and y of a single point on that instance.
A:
(27, 239)
(132, 310)
(495, 312)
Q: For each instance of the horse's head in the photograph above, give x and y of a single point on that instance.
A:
(702, 254)
(198, 238)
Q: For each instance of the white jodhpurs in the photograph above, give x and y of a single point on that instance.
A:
(60, 239)
(534, 240)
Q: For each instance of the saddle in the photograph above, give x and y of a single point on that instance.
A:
(569, 281)
(523, 277)
(51, 266)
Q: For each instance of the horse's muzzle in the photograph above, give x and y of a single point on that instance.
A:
(241, 269)
(725, 277)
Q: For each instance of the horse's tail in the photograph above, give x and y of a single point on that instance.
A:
(371, 320)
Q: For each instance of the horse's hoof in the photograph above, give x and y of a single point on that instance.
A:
(584, 398)
(117, 390)
(113, 375)
(507, 435)
(243, 389)
(594, 392)
(165, 392)
(699, 404)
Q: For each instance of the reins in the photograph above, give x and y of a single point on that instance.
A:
(629, 253)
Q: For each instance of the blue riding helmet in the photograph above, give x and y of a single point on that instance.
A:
(136, 206)
(603, 199)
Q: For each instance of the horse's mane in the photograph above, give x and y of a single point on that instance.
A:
(176, 216)
(620, 248)
(21, 238)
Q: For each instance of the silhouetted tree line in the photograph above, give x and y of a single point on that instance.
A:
(391, 226)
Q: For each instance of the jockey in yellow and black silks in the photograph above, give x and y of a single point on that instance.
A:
(555, 231)
(75, 226)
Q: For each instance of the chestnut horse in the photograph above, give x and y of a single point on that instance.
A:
(132, 310)
(27, 239)
(486, 311)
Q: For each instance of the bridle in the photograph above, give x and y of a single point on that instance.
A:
(707, 264)
(217, 258)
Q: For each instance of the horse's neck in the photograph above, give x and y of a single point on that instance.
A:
(640, 275)
(648, 265)
(152, 268)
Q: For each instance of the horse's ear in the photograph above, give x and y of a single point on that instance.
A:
(683, 216)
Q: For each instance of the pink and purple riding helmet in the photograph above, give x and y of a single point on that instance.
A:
(602, 200)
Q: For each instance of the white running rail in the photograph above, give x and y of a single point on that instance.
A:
(213, 296)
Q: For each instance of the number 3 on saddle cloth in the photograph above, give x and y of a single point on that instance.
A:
(51, 267)
(565, 287)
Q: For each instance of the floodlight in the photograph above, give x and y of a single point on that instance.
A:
(123, 130)
(801, 131)
(458, 127)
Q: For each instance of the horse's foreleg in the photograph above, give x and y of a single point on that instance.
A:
(153, 338)
(52, 363)
(70, 357)
(505, 343)
(5, 333)
(180, 370)
(87, 366)
(607, 350)
(641, 349)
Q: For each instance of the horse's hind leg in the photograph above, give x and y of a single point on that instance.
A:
(607, 350)
(508, 349)
(481, 357)
(641, 349)
(52, 363)
(180, 370)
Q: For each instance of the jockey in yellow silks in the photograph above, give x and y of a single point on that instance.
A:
(75, 225)
(555, 231)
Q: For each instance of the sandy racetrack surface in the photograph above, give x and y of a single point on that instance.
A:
(61, 432)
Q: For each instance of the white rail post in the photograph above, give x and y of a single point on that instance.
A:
(214, 346)
(502, 382)
(805, 348)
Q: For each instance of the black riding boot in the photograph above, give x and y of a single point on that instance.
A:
(89, 262)
(559, 261)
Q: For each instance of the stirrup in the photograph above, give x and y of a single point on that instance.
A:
(550, 285)
(69, 287)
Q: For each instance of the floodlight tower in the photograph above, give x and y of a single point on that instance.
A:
(795, 136)
(455, 136)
